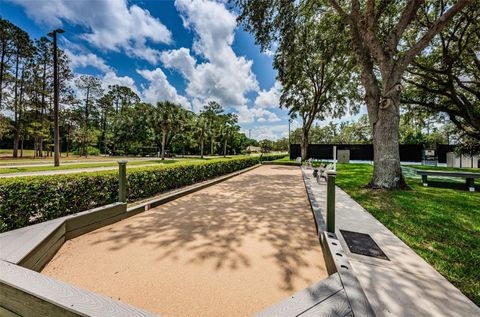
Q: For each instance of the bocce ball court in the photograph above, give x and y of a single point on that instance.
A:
(231, 249)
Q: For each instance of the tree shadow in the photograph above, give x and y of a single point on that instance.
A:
(268, 204)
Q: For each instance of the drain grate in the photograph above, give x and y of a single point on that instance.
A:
(362, 243)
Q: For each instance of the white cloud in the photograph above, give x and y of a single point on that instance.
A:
(111, 25)
(269, 98)
(224, 76)
(245, 115)
(160, 89)
(79, 60)
(249, 115)
(111, 78)
(180, 60)
(263, 115)
(269, 53)
(270, 132)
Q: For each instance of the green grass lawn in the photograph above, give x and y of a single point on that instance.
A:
(284, 159)
(441, 223)
(9, 170)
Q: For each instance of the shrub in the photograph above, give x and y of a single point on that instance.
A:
(273, 157)
(90, 151)
(25, 200)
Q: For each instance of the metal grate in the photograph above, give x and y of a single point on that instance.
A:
(361, 243)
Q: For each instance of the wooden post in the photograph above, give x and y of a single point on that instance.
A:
(122, 181)
(424, 180)
(471, 184)
(334, 157)
(331, 176)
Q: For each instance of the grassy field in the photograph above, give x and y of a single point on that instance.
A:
(440, 222)
(26, 169)
(284, 159)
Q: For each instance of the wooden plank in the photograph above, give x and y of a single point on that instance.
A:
(16, 244)
(45, 250)
(94, 225)
(353, 290)
(24, 304)
(42, 292)
(90, 217)
(448, 173)
(336, 305)
(305, 299)
(6, 313)
(314, 205)
(47, 255)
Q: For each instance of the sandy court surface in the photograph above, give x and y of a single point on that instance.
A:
(231, 249)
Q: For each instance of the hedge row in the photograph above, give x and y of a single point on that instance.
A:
(25, 200)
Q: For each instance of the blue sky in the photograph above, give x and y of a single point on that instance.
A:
(186, 51)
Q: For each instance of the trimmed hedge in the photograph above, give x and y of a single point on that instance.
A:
(273, 157)
(26, 200)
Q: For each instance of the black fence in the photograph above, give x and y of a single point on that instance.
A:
(364, 152)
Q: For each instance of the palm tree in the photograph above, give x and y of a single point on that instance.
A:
(229, 127)
(167, 116)
(212, 112)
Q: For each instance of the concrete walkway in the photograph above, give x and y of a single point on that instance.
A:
(77, 162)
(404, 286)
(73, 170)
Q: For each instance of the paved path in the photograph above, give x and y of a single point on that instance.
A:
(79, 162)
(73, 171)
(231, 249)
(404, 286)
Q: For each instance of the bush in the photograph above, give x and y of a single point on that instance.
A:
(90, 151)
(25, 200)
(273, 157)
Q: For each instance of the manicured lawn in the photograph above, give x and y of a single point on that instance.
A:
(9, 170)
(26, 152)
(440, 222)
(284, 159)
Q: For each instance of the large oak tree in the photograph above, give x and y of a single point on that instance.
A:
(378, 36)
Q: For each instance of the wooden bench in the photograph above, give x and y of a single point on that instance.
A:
(469, 176)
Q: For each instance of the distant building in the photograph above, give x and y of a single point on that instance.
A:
(254, 149)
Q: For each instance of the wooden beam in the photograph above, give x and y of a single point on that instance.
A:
(28, 293)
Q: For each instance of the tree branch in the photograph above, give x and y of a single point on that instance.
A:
(437, 26)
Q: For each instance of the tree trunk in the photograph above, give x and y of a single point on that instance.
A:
(86, 107)
(201, 144)
(387, 171)
(211, 145)
(2, 61)
(15, 105)
(225, 148)
(304, 145)
(164, 140)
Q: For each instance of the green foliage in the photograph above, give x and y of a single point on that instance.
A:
(266, 146)
(445, 77)
(25, 200)
(468, 146)
(90, 150)
(274, 157)
(344, 132)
